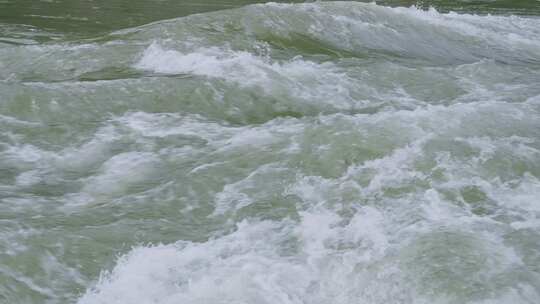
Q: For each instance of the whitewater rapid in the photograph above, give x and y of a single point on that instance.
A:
(327, 152)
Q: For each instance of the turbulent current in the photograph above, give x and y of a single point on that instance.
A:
(314, 153)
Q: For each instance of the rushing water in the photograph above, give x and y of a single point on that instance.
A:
(314, 153)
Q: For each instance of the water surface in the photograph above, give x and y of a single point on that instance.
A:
(322, 152)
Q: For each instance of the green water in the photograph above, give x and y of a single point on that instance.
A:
(97, 16)
(230, 152)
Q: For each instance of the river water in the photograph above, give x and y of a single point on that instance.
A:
(230, 152)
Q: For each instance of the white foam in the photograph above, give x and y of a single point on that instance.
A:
(309, 81)
(255, 265)
(123, 171)
(413, 31)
